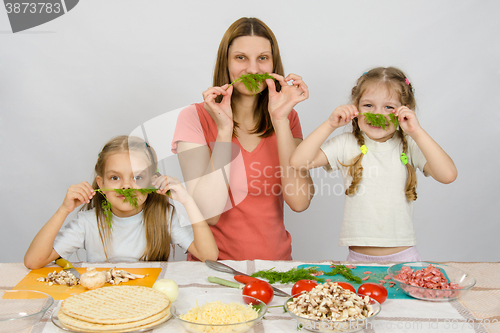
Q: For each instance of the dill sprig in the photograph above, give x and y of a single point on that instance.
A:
(130, 196)
(291, 276)
(252, 81)
(295, 274)
(380, 120)
(345, 272)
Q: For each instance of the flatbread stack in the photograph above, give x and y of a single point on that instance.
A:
(117, 308)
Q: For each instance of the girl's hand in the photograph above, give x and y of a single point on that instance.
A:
(221, 112)
(77, 195)
(177, 190)
(342, 115)
(407, 119)
(281, 103)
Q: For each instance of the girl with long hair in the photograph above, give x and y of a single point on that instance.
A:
(146, 230)
(378, 160)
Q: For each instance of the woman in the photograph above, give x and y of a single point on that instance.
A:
(234, 148)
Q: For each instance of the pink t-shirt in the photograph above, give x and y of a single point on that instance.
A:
(253, 228)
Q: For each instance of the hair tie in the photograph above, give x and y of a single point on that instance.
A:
(407, 81)
(147, 146)
(404, 158)
(365, 73)
(363, 149)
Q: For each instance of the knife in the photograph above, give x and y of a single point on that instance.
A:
(66, 265)
(218, 266)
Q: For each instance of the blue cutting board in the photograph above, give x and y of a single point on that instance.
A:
(378, 273)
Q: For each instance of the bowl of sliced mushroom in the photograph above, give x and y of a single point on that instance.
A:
(330, 308)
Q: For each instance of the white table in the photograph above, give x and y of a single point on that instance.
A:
(477, 311)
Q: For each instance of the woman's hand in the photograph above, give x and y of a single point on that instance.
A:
(281, 103)
(177, 190)
(342, 115)
(77, 195)
(221, 112)
(407, 119)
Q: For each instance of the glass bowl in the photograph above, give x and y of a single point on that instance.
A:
(182, 306)
(22, 309)
(454, 275)
(315, 325)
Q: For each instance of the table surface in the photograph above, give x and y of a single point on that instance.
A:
(477, 311)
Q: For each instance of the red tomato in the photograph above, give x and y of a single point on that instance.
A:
(303, 285)
(375, 291)
(347, 286)
(260, 290)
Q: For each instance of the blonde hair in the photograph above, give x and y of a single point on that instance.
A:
(249, 26)
(395, 81)
(157, 210)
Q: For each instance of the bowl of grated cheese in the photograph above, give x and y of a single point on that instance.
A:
(218, 313)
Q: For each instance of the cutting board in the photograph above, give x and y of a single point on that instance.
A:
(59, 292)
(377, 273)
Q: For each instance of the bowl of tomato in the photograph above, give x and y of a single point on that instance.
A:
(430, 281)
(330, 308)
(217, 312)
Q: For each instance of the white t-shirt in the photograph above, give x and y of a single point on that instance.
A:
(128, 240)
(379, 214)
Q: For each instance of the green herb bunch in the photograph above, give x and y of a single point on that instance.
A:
(252, 81)
(380, 120)
(129, 194)
(295, 274)
(291, 276)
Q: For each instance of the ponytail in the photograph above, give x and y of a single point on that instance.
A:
(355, 168)
(411, 183)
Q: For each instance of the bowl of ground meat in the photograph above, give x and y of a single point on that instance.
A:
(431, 281)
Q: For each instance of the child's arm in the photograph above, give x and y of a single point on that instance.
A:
(41, 251)
(204, 246)
(308, 154)
(439, 165)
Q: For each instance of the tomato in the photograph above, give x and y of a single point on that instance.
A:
(375, 291)
(347, 286)
(260, 290)
(303, 285)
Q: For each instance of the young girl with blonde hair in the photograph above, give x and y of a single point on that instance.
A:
(146, 231)
(378, 160)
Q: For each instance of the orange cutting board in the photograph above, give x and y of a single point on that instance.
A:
(59, 292)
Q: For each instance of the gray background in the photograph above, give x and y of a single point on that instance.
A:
(106, 67)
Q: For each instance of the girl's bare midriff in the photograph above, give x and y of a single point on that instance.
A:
(378, 251)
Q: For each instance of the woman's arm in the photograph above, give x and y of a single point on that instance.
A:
(206, 173)
(439, 165)
(297, 185)
(41, 251)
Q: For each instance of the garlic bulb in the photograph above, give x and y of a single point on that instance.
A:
(92, 279)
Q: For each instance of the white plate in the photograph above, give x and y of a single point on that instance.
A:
(56, 321)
